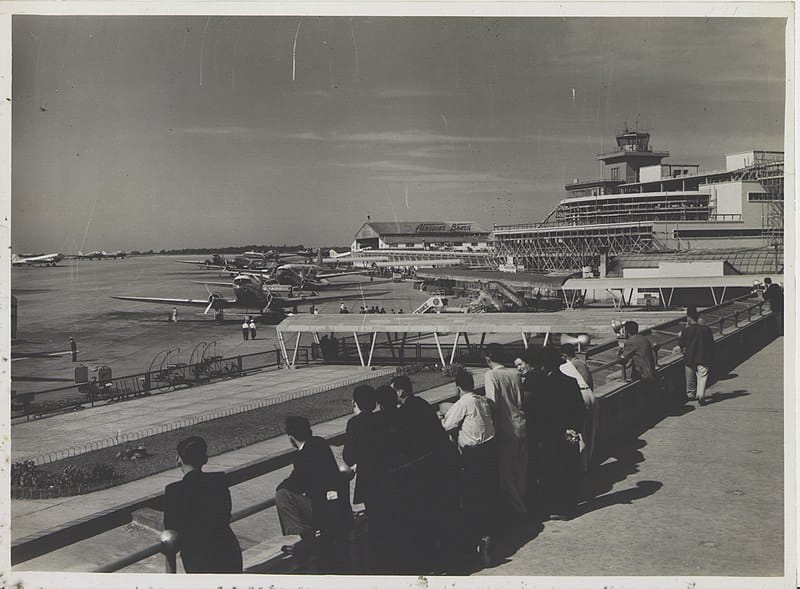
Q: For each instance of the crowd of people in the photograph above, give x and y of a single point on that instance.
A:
(437, 485)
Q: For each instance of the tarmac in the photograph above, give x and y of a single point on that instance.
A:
(699, 493)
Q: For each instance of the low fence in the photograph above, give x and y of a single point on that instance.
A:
(190, 420)
(173, 376)
(740, 329)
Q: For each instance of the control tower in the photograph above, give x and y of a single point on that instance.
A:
(633, 152)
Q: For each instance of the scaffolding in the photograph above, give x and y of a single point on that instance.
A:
(558, 248)
(577, 230)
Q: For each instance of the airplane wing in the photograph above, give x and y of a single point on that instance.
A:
(176, 302)
(211, 283)
(348, 273)
(203, 264)
(328, 298)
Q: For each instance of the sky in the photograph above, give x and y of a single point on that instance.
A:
(166, 132)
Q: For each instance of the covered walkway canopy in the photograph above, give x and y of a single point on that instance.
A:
(594, 322)
(518, 280)
(719, 287)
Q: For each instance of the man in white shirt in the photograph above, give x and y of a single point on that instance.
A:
(592, 420)
(471, 415)
(504, 388)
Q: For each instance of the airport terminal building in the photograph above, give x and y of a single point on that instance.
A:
(422, 235)
(641, 205)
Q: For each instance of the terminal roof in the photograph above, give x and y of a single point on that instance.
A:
(512, 279)
(586, 320)
(735, 280)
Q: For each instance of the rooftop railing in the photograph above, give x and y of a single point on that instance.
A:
(169, 378)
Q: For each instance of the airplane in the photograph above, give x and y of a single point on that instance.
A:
(249, 260)
(311, 276)
(252, 295)
(41, 259)
(99, 255)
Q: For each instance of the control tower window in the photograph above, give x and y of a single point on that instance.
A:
(615, 173)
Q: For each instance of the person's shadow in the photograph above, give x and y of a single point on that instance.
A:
(639, 491)
(601, 478)
(599, 481)
(719, 397)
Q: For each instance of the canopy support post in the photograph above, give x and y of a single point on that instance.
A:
(372, 348)
(358, 347)
(439, 347)
(296, 347)
(284, 352)
(455, 345)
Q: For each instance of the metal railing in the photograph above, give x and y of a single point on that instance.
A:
(39, 403)
(167, 543)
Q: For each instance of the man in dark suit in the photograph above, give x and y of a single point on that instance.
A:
(773, 294)
(420, 416)
(316, 495)
(558, 417)
(432, 465)
(198, 508)
(639, 352)
(359, 447)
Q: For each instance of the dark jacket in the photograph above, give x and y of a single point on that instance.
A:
(425, 431)
(362, 448)
(697, 343)
(640, 351)
(199, 509)
(316, 475)
(774, 295)
(557, 405)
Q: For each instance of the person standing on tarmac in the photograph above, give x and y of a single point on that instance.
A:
(245, 330)
(252, 326)
(74, 349)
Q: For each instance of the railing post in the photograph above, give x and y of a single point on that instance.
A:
(169, 541)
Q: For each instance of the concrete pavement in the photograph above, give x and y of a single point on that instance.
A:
(109, 424)
(700, 493)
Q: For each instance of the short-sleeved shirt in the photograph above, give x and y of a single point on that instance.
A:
(473, 416)
(245, 325)
(504, 387)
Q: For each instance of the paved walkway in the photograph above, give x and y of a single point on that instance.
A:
(81, 431)
(698, 494)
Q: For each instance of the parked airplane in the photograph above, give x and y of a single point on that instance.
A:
(310, 276)
(37, 260)
(251, 295)
(99, 255)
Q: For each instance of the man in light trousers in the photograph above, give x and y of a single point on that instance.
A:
(504, 388)
(697, 344)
